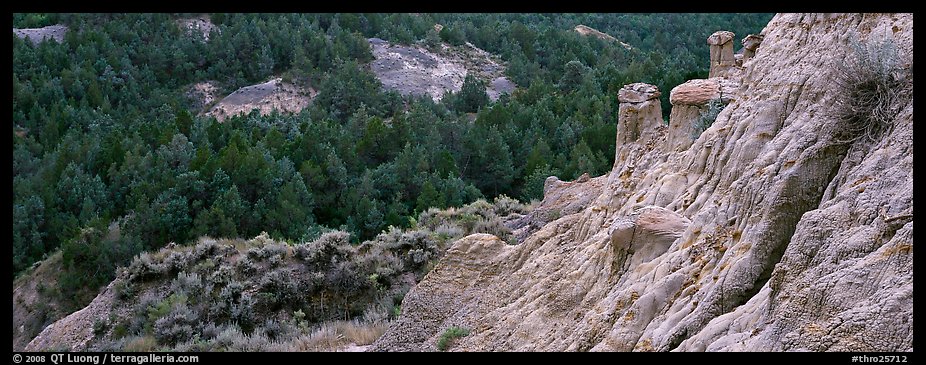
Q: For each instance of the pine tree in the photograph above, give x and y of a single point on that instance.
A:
(573, 75)
(472, 95)
(429, 197)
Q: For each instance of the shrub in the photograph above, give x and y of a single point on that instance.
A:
(447, 231)
(99, 327)
(331, 247)
(177, 326)
(493, 226)
(221, 275)
(708, 115)
(505, 206)
(188, 284)
(345, 279)
(282, 287)
(210, 331)
(275, 330)
(177, 261)
(449, 336)
(171, 320)
(195, 344)
(271, 250)
(874, 87)
(246, 266)
(163, 307)
(120, 330)
(124, 290)
(480, 208)
(145, 267)
(231, 293)
(233, 338)
(377, 312)
(299, 320)
(243, 312)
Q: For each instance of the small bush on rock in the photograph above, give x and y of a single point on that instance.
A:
(874, 87)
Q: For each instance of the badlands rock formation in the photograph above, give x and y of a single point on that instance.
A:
(750, 45)
(689, 100)
(640, 112)
(560, 198)
(768, 232)
(721, 52)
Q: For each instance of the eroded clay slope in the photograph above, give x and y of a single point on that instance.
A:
(770, 232)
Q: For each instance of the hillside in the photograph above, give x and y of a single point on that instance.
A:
(261, 294)
(462, 182)
(785, 226)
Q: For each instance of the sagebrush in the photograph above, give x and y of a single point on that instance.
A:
(707, 117)
(873, 86)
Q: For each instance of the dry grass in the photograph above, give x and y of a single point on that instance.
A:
(141, 344)
(875, 87)
(334, 336)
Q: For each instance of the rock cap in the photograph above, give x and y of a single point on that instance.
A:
(752, 41)
(720, 38)
(701, 91)
(637, 93)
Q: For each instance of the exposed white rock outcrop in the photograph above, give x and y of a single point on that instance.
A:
(273, 95)
(415, 70)
(37, 35)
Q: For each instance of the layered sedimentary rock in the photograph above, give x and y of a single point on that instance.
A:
(722, 60)
(560, 198)
(768, 233)
(640, 112)
(750, 45)
(691, 99)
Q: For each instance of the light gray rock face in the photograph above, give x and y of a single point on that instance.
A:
(681, 121)
(646, 234)
(415, 70)
(767, 233)
(560, 198)
(37, 35)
